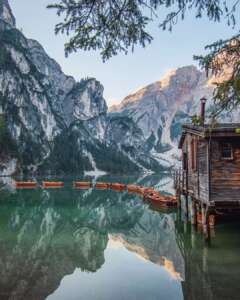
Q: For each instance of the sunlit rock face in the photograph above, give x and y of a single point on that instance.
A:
(159, 109)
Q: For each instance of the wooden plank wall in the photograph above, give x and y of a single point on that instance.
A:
(184, 150)
(192, 174)
(225, 174)
(198, 179)
(203, 170)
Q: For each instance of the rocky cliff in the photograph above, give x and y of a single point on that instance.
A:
(6, 14)
(159, 109)
(49, 123)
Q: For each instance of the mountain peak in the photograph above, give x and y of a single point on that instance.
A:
(6, 14)
(174, 81)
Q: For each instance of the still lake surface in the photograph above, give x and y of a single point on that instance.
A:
(71, 244)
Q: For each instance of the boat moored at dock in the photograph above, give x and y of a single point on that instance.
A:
(25, 184)
(82, 184)
(118, 186)
(52, 184)
(102, 185)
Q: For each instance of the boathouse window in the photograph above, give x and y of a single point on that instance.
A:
(194, 154)
(226, 151)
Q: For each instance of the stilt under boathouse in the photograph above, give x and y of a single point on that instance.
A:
(210, 173)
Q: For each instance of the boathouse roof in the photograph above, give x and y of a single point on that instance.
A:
(209, 130)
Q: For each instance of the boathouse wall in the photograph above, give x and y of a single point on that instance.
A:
(203, 170)
(225, 173)
(196, 167)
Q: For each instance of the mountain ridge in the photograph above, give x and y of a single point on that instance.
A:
(53, 124)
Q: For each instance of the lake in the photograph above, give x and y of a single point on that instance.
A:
(101, 245)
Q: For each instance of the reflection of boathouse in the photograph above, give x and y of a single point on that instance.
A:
(210, 165)
(211, 273)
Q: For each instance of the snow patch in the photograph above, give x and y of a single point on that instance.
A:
(95, 172)
(167, 159)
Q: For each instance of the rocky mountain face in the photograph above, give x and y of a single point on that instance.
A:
(6, 14)
(49, 123)
(159, 109)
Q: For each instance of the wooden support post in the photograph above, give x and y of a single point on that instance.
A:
(193, 236)
(205, 223)
(193, 212)
(186, 206)
(179, 200)
(203, 214)
(185, 226)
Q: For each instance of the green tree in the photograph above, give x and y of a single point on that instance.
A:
(223, 60)
(113, 26)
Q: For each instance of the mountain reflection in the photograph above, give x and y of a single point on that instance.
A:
(46, 235)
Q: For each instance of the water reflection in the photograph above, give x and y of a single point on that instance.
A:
(211, 271)
(73, 244)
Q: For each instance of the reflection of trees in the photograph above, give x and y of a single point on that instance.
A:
(47, 234)
(39, 246)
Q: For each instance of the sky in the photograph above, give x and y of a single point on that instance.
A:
(123, 74)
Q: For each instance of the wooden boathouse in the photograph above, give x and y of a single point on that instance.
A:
(210, 173)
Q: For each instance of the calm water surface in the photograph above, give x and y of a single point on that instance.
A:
(101, 245)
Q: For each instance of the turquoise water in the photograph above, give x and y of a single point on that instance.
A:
(93, 244)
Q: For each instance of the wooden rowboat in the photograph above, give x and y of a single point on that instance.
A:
(25, 184)
(52, 184)
(82, 184)
(164, 201)
(102, 185)
(140, 190)
(149, 191)
(118, 186)
(151, 194)
(134, 188)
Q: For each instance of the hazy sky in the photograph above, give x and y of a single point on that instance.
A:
(123, 74)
